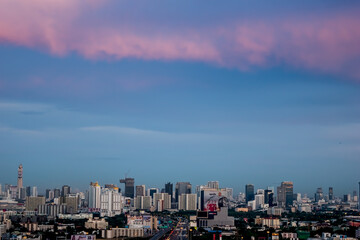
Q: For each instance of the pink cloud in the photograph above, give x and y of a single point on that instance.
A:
(327, 43)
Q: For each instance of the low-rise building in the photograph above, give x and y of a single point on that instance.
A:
(96, 223)
(122, 232)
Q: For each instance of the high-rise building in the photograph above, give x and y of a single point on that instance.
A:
(269, 197)
(94, 195)
(152, 191)
(32, 203)
(162, 201)
(188, 202)
(140, 190)
(57, 193)
(47, 193)
(20, 177)
(331, 193)
(129, 186)
(319, 194)
(72, 203)
(65, 190)
(169, 189)
(28, 191)
(285, 194)
(110, 201)
(34, 191)
(51, 195)
(142, 202)
(182, 188)
(22, 193)
(249, 192)
(213, 184)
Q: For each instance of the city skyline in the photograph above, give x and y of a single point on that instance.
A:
(167, 91)
(236, 188)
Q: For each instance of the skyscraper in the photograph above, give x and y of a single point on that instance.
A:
(152, 191)
(249, 192)
(129, 186)
(57, 193)
(169, 189)
(285, 194)
(269, 197)
(65, 190)
(20, 177)
(34, 191)
(140, 190)
(319, 194)
(331, 193)
(182, 188)
(94, 195)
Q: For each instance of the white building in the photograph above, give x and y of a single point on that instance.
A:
(188, 202)
(259, 201)
(95, 195)
(110, 202)
(34, 191)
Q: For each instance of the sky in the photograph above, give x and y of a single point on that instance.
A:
(239, 92)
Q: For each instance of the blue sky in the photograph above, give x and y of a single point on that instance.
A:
(181, 96)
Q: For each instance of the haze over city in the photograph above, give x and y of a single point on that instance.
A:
(247, 92)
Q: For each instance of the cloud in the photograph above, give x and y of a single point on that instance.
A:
(21, 132)
(326, 43)
(24, 108)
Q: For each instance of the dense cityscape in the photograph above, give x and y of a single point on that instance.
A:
(177, 211)
(179, 120)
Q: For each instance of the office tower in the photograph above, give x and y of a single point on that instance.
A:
(57, 193)
(94, 195)
(20, 177)
(140, 190)
(22, 193)
(319, 195)
(359, 197)
(129, 186)
(331, 193)
(47, 193)
(269, 197)
(152, 191)
(285, 194)
(249, 192)
(162, 201)
(169, 189)
(28, 191)
(0, 189)
(34, 191)
(182, 188)
(213, 184)
(65, 190)
(51, 195)
(188, 202)
(347, 198)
